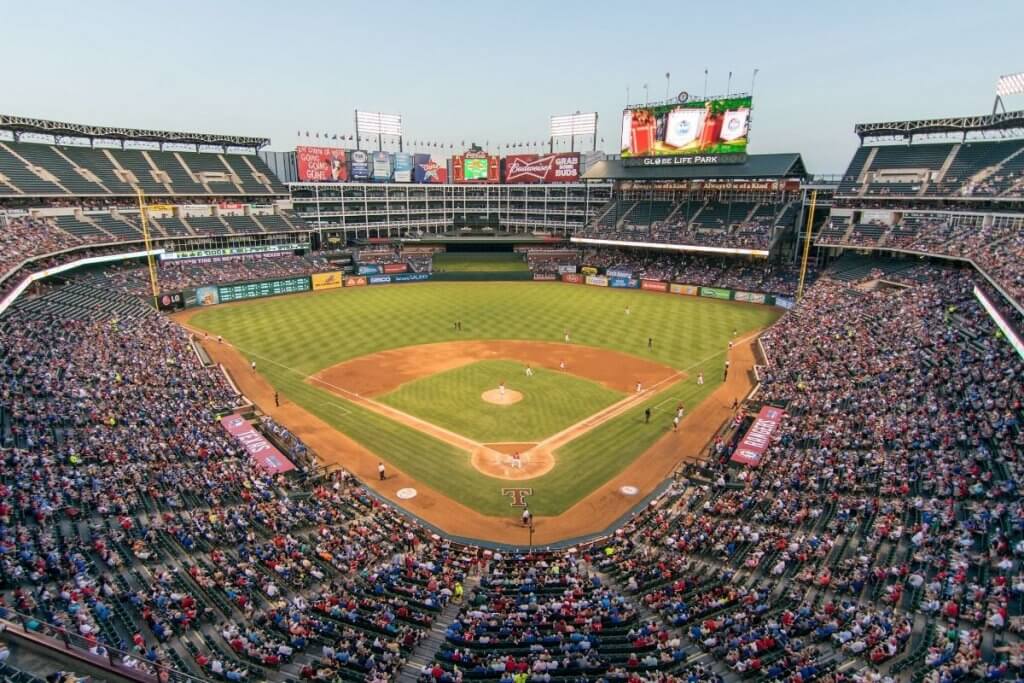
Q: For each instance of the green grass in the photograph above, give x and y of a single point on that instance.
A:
(552, 401)
(480, 262)
(296, 336)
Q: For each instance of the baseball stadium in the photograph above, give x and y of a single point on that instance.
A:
(378, 407)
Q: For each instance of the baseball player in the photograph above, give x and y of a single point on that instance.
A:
(529, 371)
(501, 389)
(675, 423)
(680, 410)
(639, 387)
(253, 366)
(650, 343)
(730, 344)
(527, 516)
(380, 470)
(561, 365)
(627, 310)
(647, 416)
(700, 378)
(725, 373)
(517, 462)
(567, 338)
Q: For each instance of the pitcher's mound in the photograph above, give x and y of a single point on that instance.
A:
(494, 396)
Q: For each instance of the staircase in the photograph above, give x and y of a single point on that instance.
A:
(424, 653)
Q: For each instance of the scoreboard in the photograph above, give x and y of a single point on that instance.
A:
(254, 290)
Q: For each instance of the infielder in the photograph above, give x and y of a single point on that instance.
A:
(529, 371)
(517, 462)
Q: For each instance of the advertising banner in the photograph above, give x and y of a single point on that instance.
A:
(588, 270)
(752, 297)
(326, 280)
(170, 300)
(566, 269)
(716, 292)
(355, 281)
(714, 129)
(618, 272)
(321, 164)
(207, 296)
(755, 442)
(597, 280)
(574, 278)
(197, 210)
(562, 167)
(360, 161)
(395, 267)
(689, 290)
(381, 167)
(410, 277)
(368, 269)
(623, 282)
(784, 302)
(545, 276)
(654, 285)
(379, 279)
(402, 172)
(256, 445)
(426, 170)
(255, 290)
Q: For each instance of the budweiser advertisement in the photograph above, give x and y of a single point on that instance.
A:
(562, 167)
(321, 164)
(256, 445)
(755, 442)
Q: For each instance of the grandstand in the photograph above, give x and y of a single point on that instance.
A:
(744, 207)
(879, 536)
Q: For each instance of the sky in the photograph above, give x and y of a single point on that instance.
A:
(496, 71)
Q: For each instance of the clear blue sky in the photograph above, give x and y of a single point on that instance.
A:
(495, 71)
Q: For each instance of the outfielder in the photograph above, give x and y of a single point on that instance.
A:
(529, 371)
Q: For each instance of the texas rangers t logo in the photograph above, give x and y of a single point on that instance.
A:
(518, 496)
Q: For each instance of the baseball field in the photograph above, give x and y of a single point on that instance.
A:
(409, 375)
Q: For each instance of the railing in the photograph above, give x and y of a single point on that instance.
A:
(59, 640)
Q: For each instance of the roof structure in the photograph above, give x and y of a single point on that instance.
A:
(756, 166)
(24, 124)
(951, 124)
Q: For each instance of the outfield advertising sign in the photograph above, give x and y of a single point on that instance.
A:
(688, 290)
(207, 296)
(572, 278)
(380, 279)
(545, 276)
(618, 272)
(750, 297)
(597, 280)
(395, 268)
(368, 269)
(588, 270)
(410, 277)
(326, 280)
(355, 281)
(566, 269)
(716, 292)
(654, 285)
(623, 282)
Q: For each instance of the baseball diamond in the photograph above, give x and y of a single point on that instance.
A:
(412, 385)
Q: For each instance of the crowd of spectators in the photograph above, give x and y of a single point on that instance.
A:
(753, 234)
(24, 238)
(997, 248)
(702, 270)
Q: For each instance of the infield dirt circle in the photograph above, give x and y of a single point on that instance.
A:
(502, 398)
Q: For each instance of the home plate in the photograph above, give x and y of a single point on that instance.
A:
(406, 494)
(629, 490)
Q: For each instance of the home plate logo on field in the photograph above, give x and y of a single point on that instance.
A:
(406, 494)
(629, 490)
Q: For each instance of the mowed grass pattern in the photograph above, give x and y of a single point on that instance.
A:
(293, 337)
(552, 401)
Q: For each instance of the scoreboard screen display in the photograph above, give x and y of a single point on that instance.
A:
(475, 168)
(716, 130)
(254, 290)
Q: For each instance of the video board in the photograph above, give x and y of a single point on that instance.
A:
(713, 131)
(321, 164)
(252, 290)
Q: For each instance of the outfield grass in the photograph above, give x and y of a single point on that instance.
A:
(552, 401)
(480, 262)
(296, 336)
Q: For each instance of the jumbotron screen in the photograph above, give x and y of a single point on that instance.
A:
(711, 128)
(474, 168)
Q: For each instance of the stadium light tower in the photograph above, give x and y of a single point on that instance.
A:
(1011, 84)
(571, 125)
(379, 124)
